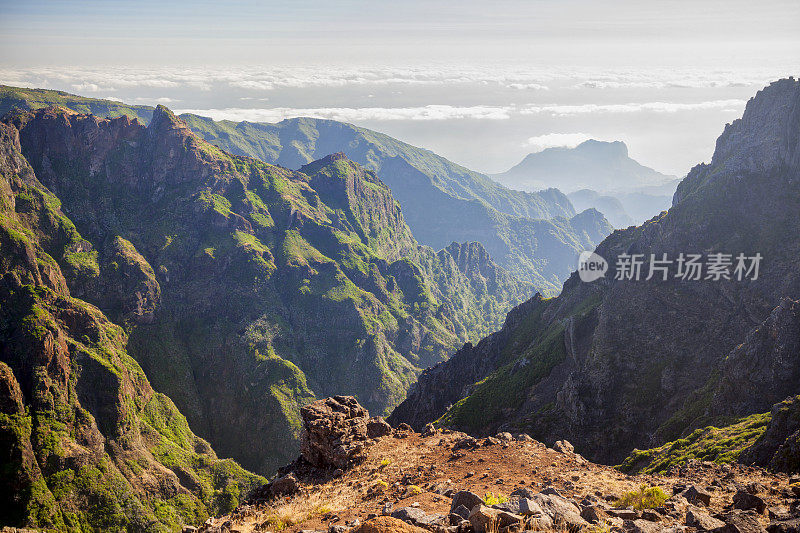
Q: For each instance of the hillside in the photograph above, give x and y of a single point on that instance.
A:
(446, 481)
(85, 440)
(618, 364)
(533, 235)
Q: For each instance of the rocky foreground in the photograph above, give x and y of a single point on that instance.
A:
(358, 474)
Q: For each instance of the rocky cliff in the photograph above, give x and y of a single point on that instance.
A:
(247, 288)
(618, 363)
(86, 443)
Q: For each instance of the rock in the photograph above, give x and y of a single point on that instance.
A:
(695, 495)
(461, 511)
(467, 499)
(378, 427)
(699, 519)
(779, 514)
(641, 526)
(481, 517)
(412, 515)
(564, 446)
(651, 516)
(593, 514)
(285, 485)
(523, 492)
(560, 510)
(745, 501)
(784, 526)
(528, 507)
(338, 529)
(625, 514)
(386, 524)
(335, 429)
(188, 529)
(551, 491)
(524, 437)
(504, 436)
(405, 427)
(741, 522)
(429, 430)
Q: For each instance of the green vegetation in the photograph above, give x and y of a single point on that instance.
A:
(644, 498)
(491, 498)
(718, 444)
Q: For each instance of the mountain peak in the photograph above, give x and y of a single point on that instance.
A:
(767, 134)
(609, 148)
(164, 120)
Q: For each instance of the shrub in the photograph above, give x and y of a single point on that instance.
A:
(644, 498)
(493, 499)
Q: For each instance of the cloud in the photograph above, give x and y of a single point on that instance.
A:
(358, 114)
(552, 140)
(637, 107)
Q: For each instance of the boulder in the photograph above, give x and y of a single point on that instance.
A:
(741, 522)
(696, 496)
(594, 514)
(386, 524)
(284, 485)
(560, 510)
(699, 519)
(746, 501)
(784, 526)
(564, 446)
(642, 526)
(411, 515)
(335, 431)
(467, 499)
(378, 427)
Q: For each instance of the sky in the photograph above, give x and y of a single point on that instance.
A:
(482, 83)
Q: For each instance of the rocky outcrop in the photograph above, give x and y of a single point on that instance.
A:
(779, 447)
(618, 364)
(334, 431)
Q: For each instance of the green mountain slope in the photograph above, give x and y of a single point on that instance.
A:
(249, 288)
(619, 364)
(86, 443)
(534, 235)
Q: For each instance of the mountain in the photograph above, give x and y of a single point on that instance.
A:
(609, 206)
(598, 165)
(599, 175)
(249, 289)
(534, 235)
(86, 443)
(618, 364)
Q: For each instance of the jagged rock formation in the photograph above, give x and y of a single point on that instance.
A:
(533, 235)
(84, 439)
(617, 364)
(779, 447)
(248, 288)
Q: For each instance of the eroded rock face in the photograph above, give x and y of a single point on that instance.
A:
(336, 431)
(779, 447)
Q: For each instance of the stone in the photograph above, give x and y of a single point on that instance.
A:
(651, 516)
(285, 485)
(411, 515)
(481, 517)
(467, 499)
(524, 437)
(625, 514)
(560, 510)
(593, 514)
(564, 446)
(377, 427)
(386, 524)
(745, 501)
(741, 522)
(523, 492)
(784, 526)
(699, 519)
(506, 436)
(641, 526)
(695, 495)
(335, 429)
